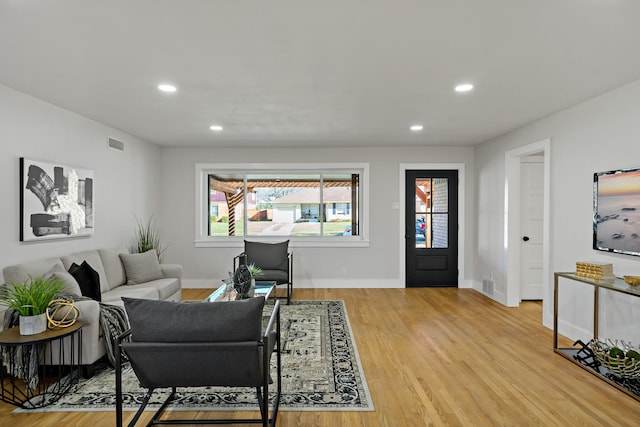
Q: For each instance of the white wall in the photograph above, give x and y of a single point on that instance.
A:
(375, 266)
(598, 135)
(126, 183)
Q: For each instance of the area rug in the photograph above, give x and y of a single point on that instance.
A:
(321, 372)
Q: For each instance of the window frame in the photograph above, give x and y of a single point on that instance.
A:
(202, 171)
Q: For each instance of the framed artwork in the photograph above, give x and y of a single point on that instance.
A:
(56, 201)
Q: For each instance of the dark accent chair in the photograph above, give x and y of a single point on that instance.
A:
(197, 344)
(275, 260)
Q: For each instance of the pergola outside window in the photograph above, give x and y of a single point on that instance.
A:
(284, 203)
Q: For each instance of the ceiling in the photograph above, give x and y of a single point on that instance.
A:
(295, 73)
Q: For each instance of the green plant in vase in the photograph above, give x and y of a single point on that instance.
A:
(148, 238)
(30, 298)
(255, 273)
(254, 270)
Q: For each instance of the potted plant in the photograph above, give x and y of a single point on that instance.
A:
(148, 238)
(255, 273)
(30, 298)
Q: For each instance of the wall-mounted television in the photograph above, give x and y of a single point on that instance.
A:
(616, 211)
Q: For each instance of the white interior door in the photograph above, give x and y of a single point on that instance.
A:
(532, 221)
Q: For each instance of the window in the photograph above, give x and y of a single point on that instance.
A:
(432, 212)
(306, 203)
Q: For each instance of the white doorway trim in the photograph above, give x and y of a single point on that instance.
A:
(512, 221)
(460, 167)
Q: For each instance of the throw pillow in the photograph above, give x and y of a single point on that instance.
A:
(88, 279)
(168, 321)
(71, 286)
(58, 272)
(268, 256)
(113, 268)
(141, 268)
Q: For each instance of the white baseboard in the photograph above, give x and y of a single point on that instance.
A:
(547, 320)
(564, 328)
(307, 284)
(465, 284)
(573, 332)
(497, 296)
(321, 283)
(349, 283)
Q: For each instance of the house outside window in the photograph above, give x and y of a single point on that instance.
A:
(303, 203)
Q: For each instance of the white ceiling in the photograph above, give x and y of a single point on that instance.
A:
(318, 73)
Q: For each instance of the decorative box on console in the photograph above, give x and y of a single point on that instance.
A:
(600, 271)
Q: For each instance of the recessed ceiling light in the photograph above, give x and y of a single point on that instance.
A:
(167, 88)
(465, 87)
(216, 128)
(417, 128)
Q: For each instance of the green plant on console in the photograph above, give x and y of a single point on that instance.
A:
(32, 296)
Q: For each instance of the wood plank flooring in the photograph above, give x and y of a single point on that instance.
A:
(438, 357)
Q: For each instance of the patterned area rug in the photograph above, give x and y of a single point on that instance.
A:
(321, 372)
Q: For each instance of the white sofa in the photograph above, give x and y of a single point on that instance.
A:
(114, 284)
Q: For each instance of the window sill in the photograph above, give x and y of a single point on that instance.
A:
(238, 242)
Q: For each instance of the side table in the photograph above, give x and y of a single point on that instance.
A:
(51, 381)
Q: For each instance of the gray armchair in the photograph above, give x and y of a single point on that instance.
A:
(182, 344)
(274, 259)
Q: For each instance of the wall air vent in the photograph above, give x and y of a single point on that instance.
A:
(116, 145)
(487, 286)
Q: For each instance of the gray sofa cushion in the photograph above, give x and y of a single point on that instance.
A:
(114, 296)
(268, 256)
(20, 272)
(162, 289)
(167, 321)
(71, 286)
(57, 272)
(141, 268)
(113, 268)
(277, 276)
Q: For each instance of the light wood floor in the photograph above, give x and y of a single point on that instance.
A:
(439, 357)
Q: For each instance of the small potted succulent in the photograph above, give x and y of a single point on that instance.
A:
(30, 298)
(255, 273)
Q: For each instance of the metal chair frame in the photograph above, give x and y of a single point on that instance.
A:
(262, 390)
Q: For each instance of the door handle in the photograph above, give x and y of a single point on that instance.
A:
(525, 239)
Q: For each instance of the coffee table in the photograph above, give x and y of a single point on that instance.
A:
(263, 288)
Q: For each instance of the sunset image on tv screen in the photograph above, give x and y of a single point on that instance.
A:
(617, 211)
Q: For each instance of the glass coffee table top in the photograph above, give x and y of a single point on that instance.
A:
(226, 292)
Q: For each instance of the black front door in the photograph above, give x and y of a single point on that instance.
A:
(431, 225)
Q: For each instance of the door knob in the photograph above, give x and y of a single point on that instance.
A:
(525, 238)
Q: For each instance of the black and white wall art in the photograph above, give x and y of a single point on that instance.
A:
(56, 201)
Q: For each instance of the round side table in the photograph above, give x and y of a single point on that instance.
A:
(46, 382)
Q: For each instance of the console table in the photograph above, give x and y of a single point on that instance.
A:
(52, 380)
(617, 286)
